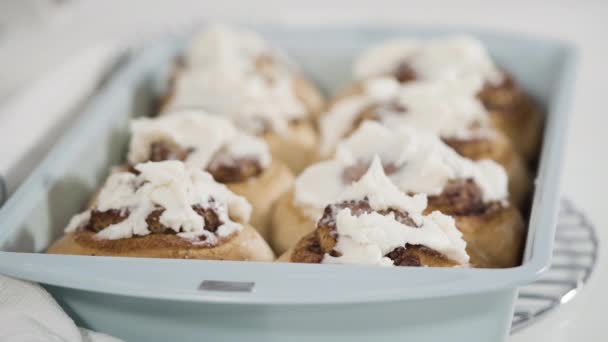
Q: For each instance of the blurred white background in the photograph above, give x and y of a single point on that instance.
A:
(37, 35)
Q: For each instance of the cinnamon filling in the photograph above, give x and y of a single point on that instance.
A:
(461, 198)
(235, 171)
(410, 255)
(160, 151)
(313, 247)
(404, 73)
(375, 111)
(223, 169)
(326, 227)
(102, 219)
(354, 172)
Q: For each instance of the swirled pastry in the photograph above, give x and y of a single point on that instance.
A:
(374, 223)
(511, 110)
(447, 108)
(475, 193)
(214, 144)
(238, 74)
(165, 210)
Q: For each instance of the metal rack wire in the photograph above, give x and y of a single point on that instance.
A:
(574, 258)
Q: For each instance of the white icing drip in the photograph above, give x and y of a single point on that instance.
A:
(445, 58)
(318, 185)
(78, 220)
(382, 193)
(174, 187)
(448, 108)
(210, 137)
(367, 238)
(425, 165)
(335, 123)
(221, 76)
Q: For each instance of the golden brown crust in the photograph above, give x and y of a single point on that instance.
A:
(296, 147)
(308, 250)
(303, 88)
(285, 257)
(246, 245)
(309, 94)
(499, 149)
(459, 197)
(515, 114)
(289, 224)
(495, 238)
(262, 192)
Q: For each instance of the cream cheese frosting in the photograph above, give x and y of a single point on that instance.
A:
(174, 187)
(422, 163)
(366, 239)
(447, 108)
(446, 58)
(235, 72)
(208, 137)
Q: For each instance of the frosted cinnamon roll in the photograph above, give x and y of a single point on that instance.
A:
(511, 110)
(165, 210)
(448, 109)
(372, 222)
(213, 143)
(475, 193)
(238, 74)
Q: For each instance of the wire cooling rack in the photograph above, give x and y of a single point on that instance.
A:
(574, 258)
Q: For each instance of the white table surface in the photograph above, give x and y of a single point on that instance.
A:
(29, 48)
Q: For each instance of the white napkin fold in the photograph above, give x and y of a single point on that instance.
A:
(30, 123)
(29, 314)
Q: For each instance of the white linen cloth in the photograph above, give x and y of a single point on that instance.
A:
(29, 314)
(30, 123)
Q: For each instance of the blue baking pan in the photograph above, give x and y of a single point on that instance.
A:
(195, 300)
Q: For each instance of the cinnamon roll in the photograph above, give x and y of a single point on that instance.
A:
(474, 193)
(447, 108)
(213, 143)
(165, 210)
(511, 110)
(515, 114)
(238, 74)
(373, 223)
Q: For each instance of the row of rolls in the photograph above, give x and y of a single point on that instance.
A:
(423, 160)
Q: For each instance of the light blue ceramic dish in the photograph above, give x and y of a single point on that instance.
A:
(161, 300)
